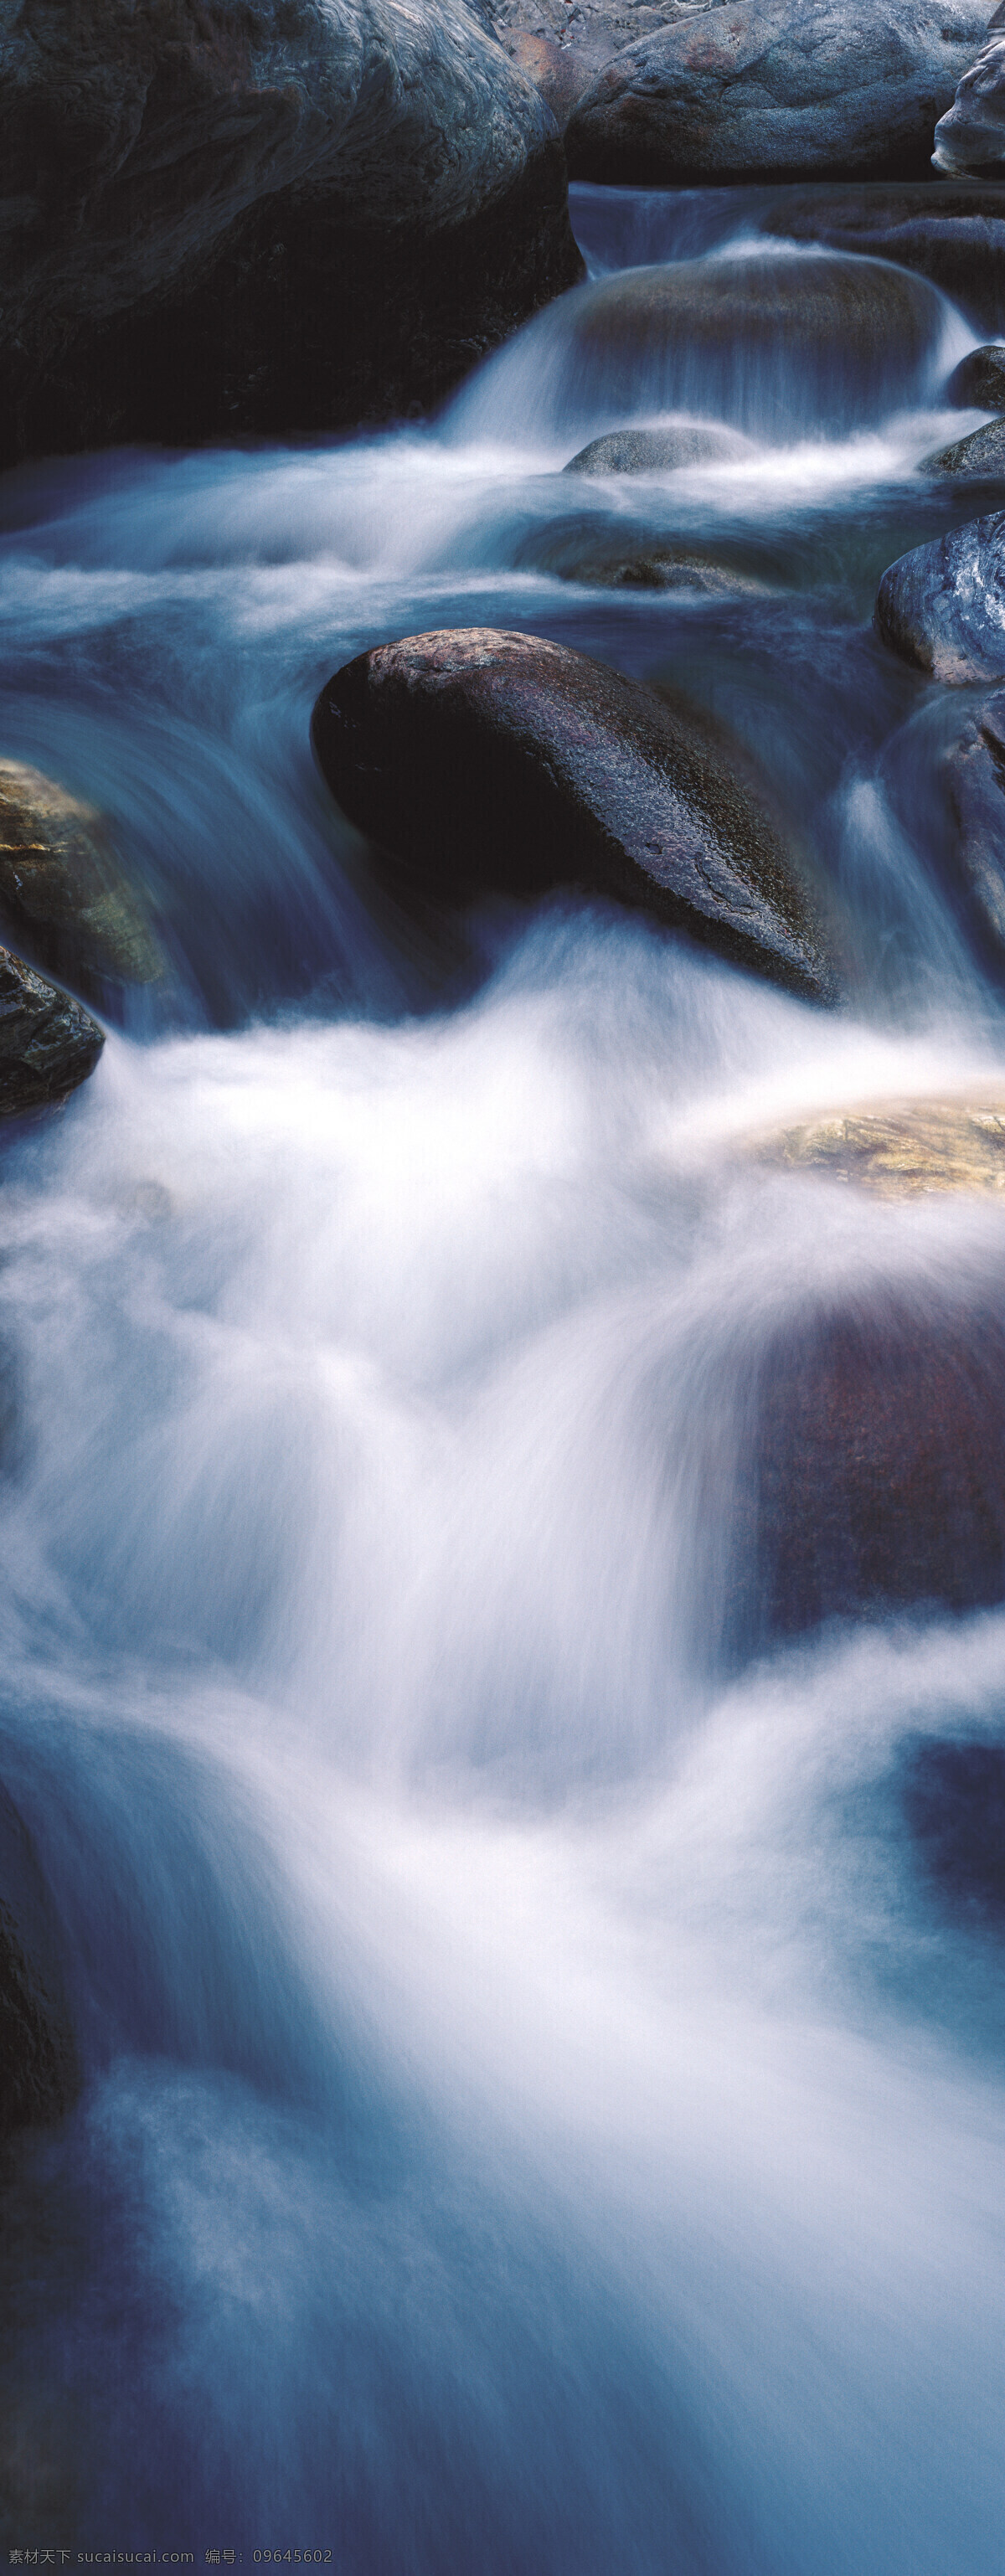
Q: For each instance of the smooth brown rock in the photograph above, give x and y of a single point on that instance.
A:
(489, 760)
(63, 890)
(901, 1149)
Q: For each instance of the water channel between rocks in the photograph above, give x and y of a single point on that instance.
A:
(542, 2009)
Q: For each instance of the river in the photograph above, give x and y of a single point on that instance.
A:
(544, 2114)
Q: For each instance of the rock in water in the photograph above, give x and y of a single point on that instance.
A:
(943, 605)
(288, 214)
(978, 383)
(953, 235)
(977, 459)
(971, 135)
(770, 89)
(39, 2071)
(660, 451)
(975, 776)
(48, 1042)
(63, 889)
(483, 760)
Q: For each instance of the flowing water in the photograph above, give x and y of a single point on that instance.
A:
(544, 2111)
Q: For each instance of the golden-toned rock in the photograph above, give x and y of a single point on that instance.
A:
(901, 1148)
(63, 889)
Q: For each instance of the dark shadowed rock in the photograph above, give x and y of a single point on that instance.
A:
(943, 605)
(875, 1477)
(659, 451)
(975, 777)
(63, 890)
(765, 88)
(283, 215)
(954, 235)
(978, 383)
(48, 1042)
(977, 459)
(485, 760)
(971, 136)
(621, 558)
(39, 2072)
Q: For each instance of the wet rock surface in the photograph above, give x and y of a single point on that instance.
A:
(489, 760)
(975, 776)
(620, 558)
(977, 459)
(943, 605)
(979, 381)
(287, 216)
(901, 1149)
(48, 1042)
(63, 889)
(971, 136)
(952, 234)
(39, 2069)
(659, 451)
(875, 1477)
(758, 88)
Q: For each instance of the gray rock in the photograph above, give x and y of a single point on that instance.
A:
(483, 760)
(39, 2070)
(563, 44)
(64, 891)
(288, 215)
(977, 459)
(769, 88)
(48, 1042)
(659, 451)
(971, 136)
(978, 383)
(975, 779)
(954, 235)
(943, 605)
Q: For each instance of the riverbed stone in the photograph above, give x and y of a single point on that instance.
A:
(486, 760)
(943, 605)
(901, 1149)
(616, 557)
(953, 234)
(978, 383)
(766, 88)
(39, 2066)
(64, 891)
(971, 135)
(975, 779)
(48, 1042)
(977, 459)
(660, 451)
(290, 215)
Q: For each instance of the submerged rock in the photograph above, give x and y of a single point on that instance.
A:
(48, 1042)
(875, 1473)
(901, 1149)
(621, 558)
(954, 235)
(64, 890)
(975, 777)
(484, 760)
(971, 135)
(660, 451)
(762, 88)
(287, 215)
(977, 459)
(943, 605)
(39, 2070)
(978, 383)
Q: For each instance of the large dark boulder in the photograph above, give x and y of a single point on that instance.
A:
(278, 215)
(978, 383)
(39, 2070)
(874, 1475)
(483, 760)
(64, 892)
(943, 605)
(977, 459)
(971, 135)
(48, 1042)
(771, 89)
(954, 235)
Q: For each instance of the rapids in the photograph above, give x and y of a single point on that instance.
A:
(545, 2112)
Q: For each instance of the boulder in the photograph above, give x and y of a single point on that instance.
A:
(978, 383)
(953, 235)
(901, 1149)
(768, 89)
(563, 44)
(39, 2069)
(483, 760)
(975, 778)
(660, 451)
(874, 1472)
(971, 135)
(943, 605)
(616, 557)
(48, 1042)
(287, 215)
(63, 889)
(977, 459)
